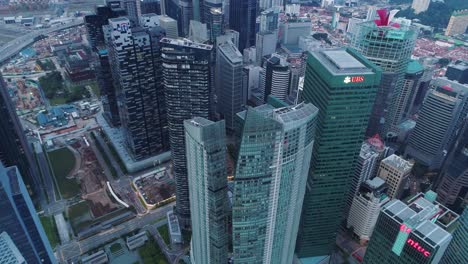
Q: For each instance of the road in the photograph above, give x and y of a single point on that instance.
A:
(45, 172)
(13, 47)
(70, 252)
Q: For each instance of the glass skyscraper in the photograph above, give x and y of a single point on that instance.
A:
(389, 48)
(269, 182)
(207, 176)
(19, 219)
(242, 18)
(342, 84)
(187, 83)
(456, 251)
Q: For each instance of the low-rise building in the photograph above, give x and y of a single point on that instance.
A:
(174, 228)
(137, 240)
(99, 257)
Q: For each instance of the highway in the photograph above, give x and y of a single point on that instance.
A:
(71, 251)
(13, 47)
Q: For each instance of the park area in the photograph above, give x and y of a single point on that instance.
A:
(50, 229)
(150, 253)
(62, 162)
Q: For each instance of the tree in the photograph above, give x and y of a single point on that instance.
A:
(444, 62)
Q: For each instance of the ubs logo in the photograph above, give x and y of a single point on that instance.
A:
(354, 79)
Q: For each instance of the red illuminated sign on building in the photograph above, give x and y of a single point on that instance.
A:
(416, 245)
(354, 79)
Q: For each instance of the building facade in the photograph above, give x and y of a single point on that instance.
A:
(207, 175)
(458, 23)
(269, 184)
(242, 18)
(342, 85)
(19, 219)
(390, 48)
(230, 91)
(9, 253)
(135, 59)
(187, 83)
(394, 170)
(275, 78)
(371, 197)
(412, 232)
(456, 251)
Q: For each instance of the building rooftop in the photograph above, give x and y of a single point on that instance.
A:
(173, 223)
(295, 113)
(398, 162)
(414, 67)
(230, 50)
(341, 62)
(186, 43)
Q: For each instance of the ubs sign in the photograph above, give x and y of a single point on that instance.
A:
(354, 79)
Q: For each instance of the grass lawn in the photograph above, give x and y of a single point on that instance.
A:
(48, 223)
(115, 247)
(62, 162)
(164, 232)
(58, 101)
(78, 210)
(150, 253)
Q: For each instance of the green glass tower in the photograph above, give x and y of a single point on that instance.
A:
(390, 48)
(456, 251)
(342, 84)
(206, 166)
(270, 179)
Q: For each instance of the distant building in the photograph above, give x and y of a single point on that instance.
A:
(458, 71)
(107, 88)
(420, 6)
(169, 25)
(77, 65)
(458, 23)
(265, 45)
(207, 175)
(174, 228)
(456, 251)
(368, 201)
(9, 253)
(293, 29)
(19, 219)
(137, 240)
(230, 91)
(187, 79)
(151, 6)
(416, 231)
(242, 18)
(271, 175)
(275, 78)
(395, 172)
(150, 20)
(94, 24)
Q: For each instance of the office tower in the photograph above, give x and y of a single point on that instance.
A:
(269, 184)
(150, 6)
(229, 35)
(19, 219)
(15, 149)
(458, 71)
(394, 170)
(453, 179)
(187, 83)
(265, 44)
(269, 20)
(242, 18)
(169, 25)
(372, 152)
(107, 88)
(420, 6)
(334, 78)
(231, 94)
(267, 4)
(149, 20)
(436, 125)
(371, 13)
(390, 48)
(136, 69)
(293, 28)
(352, 25)
(133, 9)
(213, 17)
(411, 232)
(94, 23)
(366, 206)
(207, 175)
(458, 23)
(275, 78)
(456, 251)
(9, 253)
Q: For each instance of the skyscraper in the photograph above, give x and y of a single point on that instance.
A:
(136, 69)
(19, 219)
(458, 71)
(14, 147)
(390, 48)
(187, 83)
(269, 184)
(458, 23)
(411, 232)
(394, 170)
(207, 175)
(170, 26)
(231, 94)
(366, 206)
(453, 179)
(9, 253)
(456, 251)
(107, 88)
(275, 78)
(242, 18)
(343, 85)
(436, 125)
(94, 23)
(213, 17)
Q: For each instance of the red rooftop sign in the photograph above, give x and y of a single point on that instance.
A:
(354, 79)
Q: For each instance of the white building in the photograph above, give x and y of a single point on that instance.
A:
(420, 5)
(170, 25)
(394, 170)
(366, 207)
